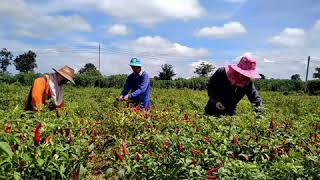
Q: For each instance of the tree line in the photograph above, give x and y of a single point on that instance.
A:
(88, 75)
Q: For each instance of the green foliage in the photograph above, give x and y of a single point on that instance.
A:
(167, 72)
(317, 73)
(26, 62)
(89, 68)
(313, 87)
(279, 85)
(26, 78)
(175, 140)
(204, 69)
(296, 77)
(5, 59)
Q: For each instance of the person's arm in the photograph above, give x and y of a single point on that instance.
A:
(38, 90)
(212, 86)
(142, 87)
(126, 87)
(254, 98)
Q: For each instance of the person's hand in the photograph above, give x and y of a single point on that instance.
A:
(259, 109)
(126, 97)
(259, 116)
(220, 106)
(120, 98)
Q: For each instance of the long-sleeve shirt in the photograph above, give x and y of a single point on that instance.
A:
(139, 84)
(39, 94)
(220, 90)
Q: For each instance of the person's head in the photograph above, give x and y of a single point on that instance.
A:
(242, 73)
(64, 75)
(136, 65)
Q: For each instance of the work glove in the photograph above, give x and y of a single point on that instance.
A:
(220, 106)
(260, 111)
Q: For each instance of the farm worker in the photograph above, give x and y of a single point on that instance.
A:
(229, 84)
(49, 87)
(138, 83)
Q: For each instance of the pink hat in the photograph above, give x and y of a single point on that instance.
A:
(246, 67)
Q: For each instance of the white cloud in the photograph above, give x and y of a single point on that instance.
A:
(118, 29)
(143, 12)
(226, 31)
(28, 22)
(290, 37)
(158, 46)
(153, 50)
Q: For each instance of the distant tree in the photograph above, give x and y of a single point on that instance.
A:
(26, 62)
(204, 69)
(296, 77)
(317, 73)
(89, 67)
(262, 76)
(5, 59)
(167, 72)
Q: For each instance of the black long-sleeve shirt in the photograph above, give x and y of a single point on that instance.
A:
(220, 90)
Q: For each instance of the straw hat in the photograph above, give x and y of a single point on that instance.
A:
(67, 72)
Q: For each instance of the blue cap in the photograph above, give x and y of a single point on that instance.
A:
(135, 62)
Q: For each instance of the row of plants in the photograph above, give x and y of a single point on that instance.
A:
(197, 83)
(96, 136)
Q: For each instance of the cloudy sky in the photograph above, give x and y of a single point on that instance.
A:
(280, 34)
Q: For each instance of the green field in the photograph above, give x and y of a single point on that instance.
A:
(175, 141)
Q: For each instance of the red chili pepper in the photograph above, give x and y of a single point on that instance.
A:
(76, 174)
(94, 133)
(119, 156)
(274, 154)
(213, 170)
(186, 116)
(165, 145)
(8, 128)
(138, 156)
(195, 152)
(137, 109)
(98, 122)
(212, 177)
(206, 139)
(124, 149)
(90, 157)
(37, 134)
(194, 162)
(273, 123)
(180, 148)
(49, 139)
(235, 140)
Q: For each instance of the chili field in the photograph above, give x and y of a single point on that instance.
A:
(97, 137)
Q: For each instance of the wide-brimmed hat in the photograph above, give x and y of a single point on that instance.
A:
(135, 62)
(247, 67)
(67, 72)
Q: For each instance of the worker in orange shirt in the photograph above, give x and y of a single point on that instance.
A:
(47, 90)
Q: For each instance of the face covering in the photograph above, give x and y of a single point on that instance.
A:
(235, 78)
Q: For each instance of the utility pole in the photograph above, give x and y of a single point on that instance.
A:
(99, 66)
(306, 82)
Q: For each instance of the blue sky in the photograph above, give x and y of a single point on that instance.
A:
(280, 34)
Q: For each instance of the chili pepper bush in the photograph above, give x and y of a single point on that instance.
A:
(97, 137)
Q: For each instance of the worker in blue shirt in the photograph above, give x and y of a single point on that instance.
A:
(138, 83)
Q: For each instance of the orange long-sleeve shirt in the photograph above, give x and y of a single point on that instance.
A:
(41, 93)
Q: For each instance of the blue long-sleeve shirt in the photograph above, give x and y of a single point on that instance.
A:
(220, 90)
(139, 84)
